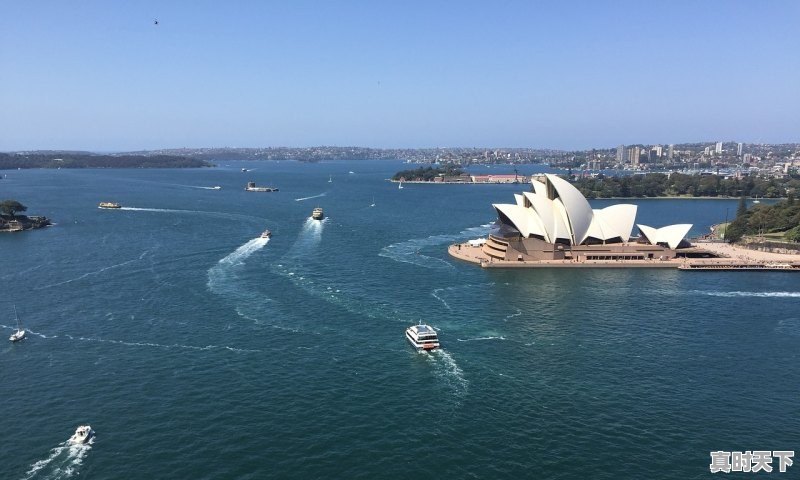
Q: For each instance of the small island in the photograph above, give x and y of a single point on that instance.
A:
(11, 222)
(451, 174)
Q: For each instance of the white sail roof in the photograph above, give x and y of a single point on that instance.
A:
(619, 218)
(578, 211)
(555, 209)
(671, 234)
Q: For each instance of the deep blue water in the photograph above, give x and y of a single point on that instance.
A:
(197, 351)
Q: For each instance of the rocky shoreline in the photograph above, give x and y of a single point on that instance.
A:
(19, 223)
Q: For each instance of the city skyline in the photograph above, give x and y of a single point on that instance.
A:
(103, 77)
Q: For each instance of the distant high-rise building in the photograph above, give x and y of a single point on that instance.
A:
(621, 154)
(718, 148)
(670, 151)
(633, 155)
(707, 151)
(738, 149)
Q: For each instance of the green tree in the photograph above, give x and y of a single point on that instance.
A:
(10, 207)
(741, 209)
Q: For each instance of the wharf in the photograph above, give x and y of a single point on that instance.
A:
(738, 266)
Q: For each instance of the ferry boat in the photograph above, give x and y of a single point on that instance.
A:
(317, 214)
(266, 234)
(109, 205)
(422, 337)
(83, 434)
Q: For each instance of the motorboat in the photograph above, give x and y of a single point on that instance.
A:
(317, 214)
(422, 337)
(109, 205)
(266, 234)
(83, 434)
(216, 187)
(19, 334)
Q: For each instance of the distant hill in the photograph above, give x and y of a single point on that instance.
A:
(55, 159)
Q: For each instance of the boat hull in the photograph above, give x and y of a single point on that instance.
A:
(421, 347)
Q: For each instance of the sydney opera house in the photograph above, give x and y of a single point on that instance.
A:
(554, 222)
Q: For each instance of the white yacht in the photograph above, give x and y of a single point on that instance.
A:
(83, 434)
(266, 234)
(20, 333)
(422, 337)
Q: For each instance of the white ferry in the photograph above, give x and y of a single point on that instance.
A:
(317, 214)
(109, 205)
(422, 337)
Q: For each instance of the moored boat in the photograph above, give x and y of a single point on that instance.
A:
(109, 205)
(317, 214)
(422, 337)
(83, 434)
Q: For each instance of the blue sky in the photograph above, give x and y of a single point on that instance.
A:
(99, 75)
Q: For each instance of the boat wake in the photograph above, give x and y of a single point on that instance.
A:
(223, 215)
(410, 251)
(751, 294)
(439, 293)
(238, 256)
(478, 339)
(309, 198)
(96, 272)
(138, 344)
(64, 461)
(221, 274)
(446, 368)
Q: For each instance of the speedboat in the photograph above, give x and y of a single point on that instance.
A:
(422, 337)
(266, 234)
(109, 205)
(83, 434)
(317, 214)
(216, 187)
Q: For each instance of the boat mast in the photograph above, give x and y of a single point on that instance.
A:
(16, 316)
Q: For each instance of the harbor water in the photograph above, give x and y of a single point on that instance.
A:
(196, 349)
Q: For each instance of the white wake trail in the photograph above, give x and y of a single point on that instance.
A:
(752, 294)
(64, 461)
(410, 251)
(309, 198)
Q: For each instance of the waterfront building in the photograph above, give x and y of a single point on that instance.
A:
(554, 221)
(621, 154)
